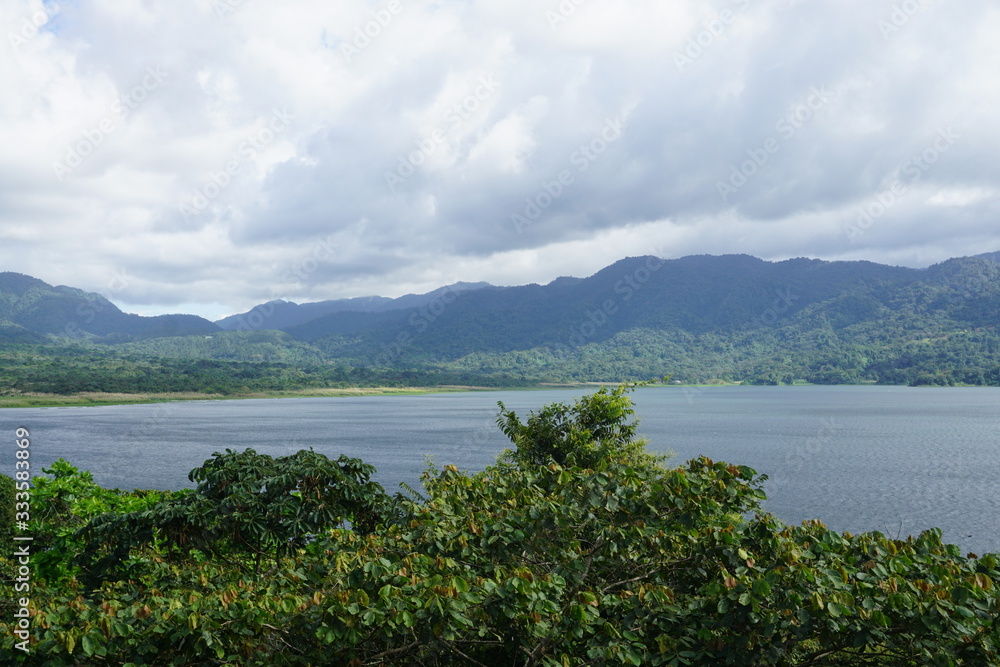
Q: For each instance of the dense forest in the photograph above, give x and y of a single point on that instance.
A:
(577, 547)
(246, 362)
(700, 319)
(77, 368)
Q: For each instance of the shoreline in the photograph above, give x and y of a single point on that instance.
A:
(88, 399)
(95, 399)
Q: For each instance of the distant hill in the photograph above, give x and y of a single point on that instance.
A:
(699, 318)
(696, 294)
(36, 308)
(732, 317)
(14, 333)
(283, 315)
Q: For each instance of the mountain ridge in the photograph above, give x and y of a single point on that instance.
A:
(700, 317)
(280, 314)
(39, 309)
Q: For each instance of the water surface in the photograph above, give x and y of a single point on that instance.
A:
(894, 459)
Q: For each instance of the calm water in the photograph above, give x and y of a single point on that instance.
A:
(893, 459)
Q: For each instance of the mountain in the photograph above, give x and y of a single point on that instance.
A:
(732, 317)
(283, 315)
(280, 314)
(31, 308)
(695, 294)
(14, 333)
(699, 318)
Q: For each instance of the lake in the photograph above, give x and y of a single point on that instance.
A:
(894, 459)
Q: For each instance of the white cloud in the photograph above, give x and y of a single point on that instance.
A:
(961, 197)
(362, 88)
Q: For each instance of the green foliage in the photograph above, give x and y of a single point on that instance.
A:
(63, 500)
(595, 428)
(8, 488)
(78, 367)
(246, 504)
(618, 563)
(731, 318)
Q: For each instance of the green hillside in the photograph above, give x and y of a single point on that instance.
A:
(732, 318)
(66, 312)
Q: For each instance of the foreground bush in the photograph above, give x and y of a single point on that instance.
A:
(530, 562)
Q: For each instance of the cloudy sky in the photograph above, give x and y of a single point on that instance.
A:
(207, 155)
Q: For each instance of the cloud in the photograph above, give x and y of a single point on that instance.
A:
(226, 152)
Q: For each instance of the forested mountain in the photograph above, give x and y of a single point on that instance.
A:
(696, 295)
(283, 315)
(31, 308)
(700, 318)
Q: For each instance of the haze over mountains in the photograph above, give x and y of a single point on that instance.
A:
(696, 293)
(280, 314)
(697, 315)
(30, 309)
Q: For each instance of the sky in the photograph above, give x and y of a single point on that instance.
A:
(204, 156)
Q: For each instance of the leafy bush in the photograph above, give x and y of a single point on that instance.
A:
(64, 500)
(596, 428)
(624, 562)
(246, 504)
(7, 490)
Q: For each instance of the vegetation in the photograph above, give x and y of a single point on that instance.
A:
(593, 429)
(74, 368)
(731, 319)
(8, 491)
(574, 549)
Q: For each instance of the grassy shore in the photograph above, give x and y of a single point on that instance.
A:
(100, 398)
(37, 400)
